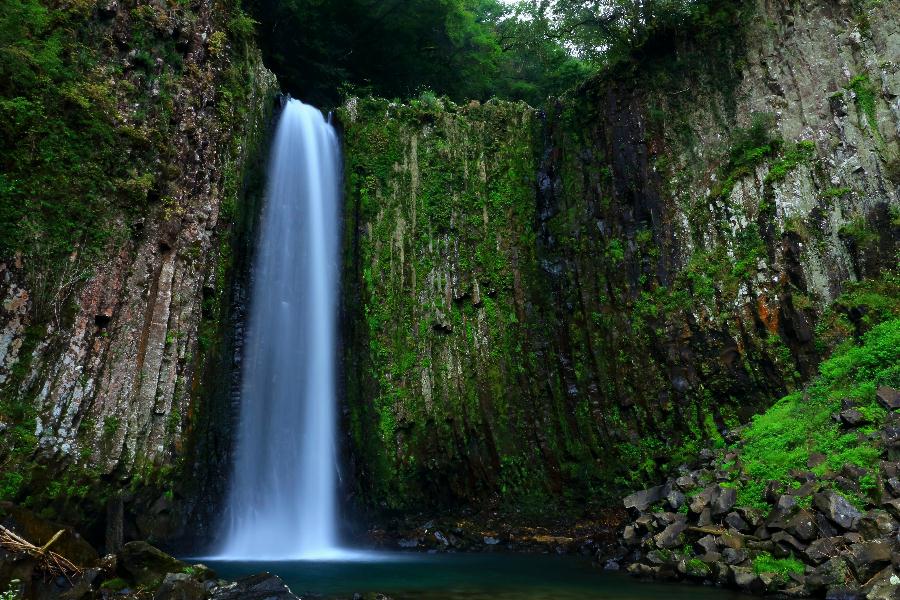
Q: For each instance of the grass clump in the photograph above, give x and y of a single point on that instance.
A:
(782, 438)
(864, 97)
(782, 567)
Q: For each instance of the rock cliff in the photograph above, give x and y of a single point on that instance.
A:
(545, 308)
(111, 310)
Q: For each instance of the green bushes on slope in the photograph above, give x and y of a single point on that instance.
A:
(783, 438)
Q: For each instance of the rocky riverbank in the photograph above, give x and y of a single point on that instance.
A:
(496, 532)
(825, 532)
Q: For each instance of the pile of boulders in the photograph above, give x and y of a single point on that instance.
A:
(809, 540)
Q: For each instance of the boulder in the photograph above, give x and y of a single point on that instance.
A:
(831, 573)
(852, 418)
(888, 397)
(838, 510)
(630, 536)
(876, 524)
(643, 499)
(724, 501)
(802, 525)
(892, 506)
(883, 586)
(145, 565)
(670, 537)
(704, 498)
(706, 544)
(732, 540)
(736, 522)
(705, 518)
(180, 586)
(685, 483)
(263, 586)
(675, 498)
(868, 558)
(734, 556)
(753, 516)
(747, 580)
(824, 549)
(841, 592)
(788, 542)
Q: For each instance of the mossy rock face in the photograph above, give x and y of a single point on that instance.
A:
(132, 137)
(552, 308)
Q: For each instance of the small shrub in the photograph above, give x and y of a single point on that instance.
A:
(782, 567)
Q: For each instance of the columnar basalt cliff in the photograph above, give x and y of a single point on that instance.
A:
(105, 336)
(551, 308)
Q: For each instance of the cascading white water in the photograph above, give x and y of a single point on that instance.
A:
(281, 503)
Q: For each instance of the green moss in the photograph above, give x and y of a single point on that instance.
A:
(115, 585)
(697, 568)
(782, 567)
(864, 95)
(782, 438)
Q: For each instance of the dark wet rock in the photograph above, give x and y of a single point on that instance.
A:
(705, 518)
(704, 498)
(630, 535)
(753, 516)
(724, 501)
(831, 573)
(685, 483)
(736, 522)
(883, 586)
(180, 586)
(888, 397)
(732, 540)
(802, 526)
(853, 418)
(823, 549)
(670, 537)
(788, 542)
(837, 509)
(747, 580)
(734, 556)
(841, 592)
(892, 506)
(643, 499)
(825, 526)
(263, 586)
(706, 544)
(869, 558)
(146, 565)
(875, 524)
(675, 498)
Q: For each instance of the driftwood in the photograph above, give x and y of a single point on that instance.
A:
(47, 560)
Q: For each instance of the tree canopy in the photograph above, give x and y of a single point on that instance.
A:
(466, 49)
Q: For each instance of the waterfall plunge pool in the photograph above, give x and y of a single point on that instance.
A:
(465, 576)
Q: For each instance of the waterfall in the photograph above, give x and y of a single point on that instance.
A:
(281, 503)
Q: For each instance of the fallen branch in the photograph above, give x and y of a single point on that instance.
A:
(48, 561)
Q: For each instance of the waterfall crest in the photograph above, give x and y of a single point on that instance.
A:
(281, 503)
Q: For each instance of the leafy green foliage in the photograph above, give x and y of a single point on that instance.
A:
(782, 438)
(465, 49)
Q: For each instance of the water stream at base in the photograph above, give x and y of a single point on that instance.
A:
(281, 504)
